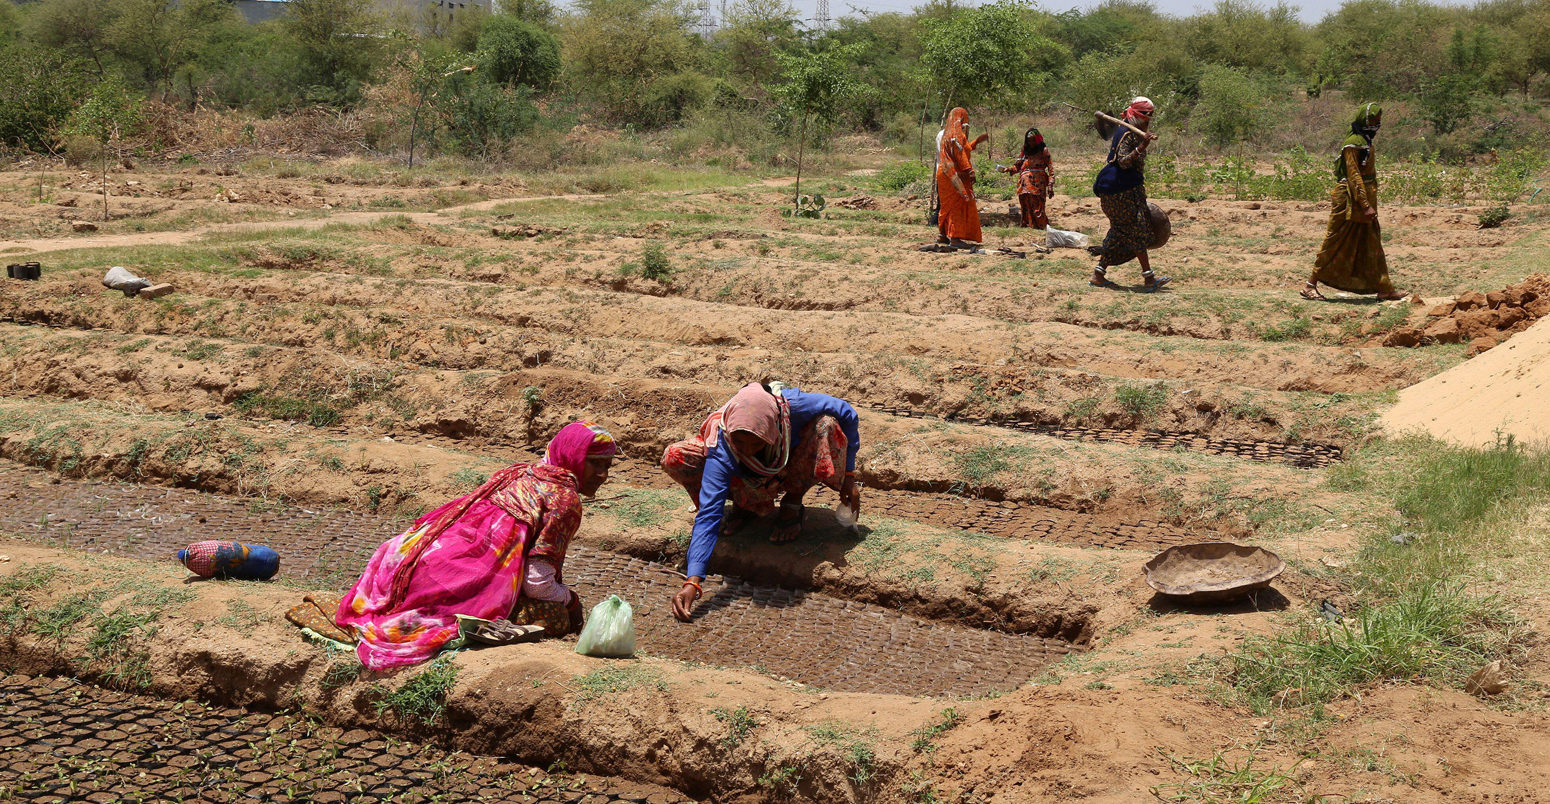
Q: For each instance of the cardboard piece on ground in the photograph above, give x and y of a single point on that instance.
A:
(156, 291)
(1505, 390)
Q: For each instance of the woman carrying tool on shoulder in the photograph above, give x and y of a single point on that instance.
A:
(1121, 191)
(767, 441)
(1352, 258)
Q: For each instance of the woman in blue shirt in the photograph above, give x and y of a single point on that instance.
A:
(1121, 191)
(768, 441)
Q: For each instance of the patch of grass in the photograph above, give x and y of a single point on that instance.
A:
(469, 477)
(979, 464)
(739, 725)
(615, 679)
(783, 781)
(316, 412)
(1141, 401)
(1219, 780)
(925, 737)
(855, 745)
(1295, 329)
(644, 508)
(423, 698)
(239, 616)
(1418, 617)
(63, 618)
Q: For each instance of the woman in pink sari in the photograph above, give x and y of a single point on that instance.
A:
(494, 554)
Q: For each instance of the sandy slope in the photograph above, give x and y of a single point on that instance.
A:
(1505, 390)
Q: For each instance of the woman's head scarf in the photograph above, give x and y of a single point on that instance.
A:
(1140, 108)
(1033, 142)
(575, 443)
(756, 409)
(1369, 116)
(957, 124)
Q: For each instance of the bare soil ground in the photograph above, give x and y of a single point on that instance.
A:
(352, 342)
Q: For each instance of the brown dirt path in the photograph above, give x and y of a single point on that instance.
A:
(32, 247)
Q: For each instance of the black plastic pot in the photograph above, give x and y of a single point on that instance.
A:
(24, 270)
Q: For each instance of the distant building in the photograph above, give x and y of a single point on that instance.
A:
(432, 14)
(256, 11)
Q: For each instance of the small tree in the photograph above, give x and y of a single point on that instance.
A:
(1232, 106)
(108, 113)
(815, 84)
(513, 51)
(973, 54)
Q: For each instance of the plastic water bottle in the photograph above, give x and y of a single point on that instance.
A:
(230, 560)
(846, 513)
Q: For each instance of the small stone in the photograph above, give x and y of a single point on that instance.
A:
(1415, 298)
(1495, 299)
(1481, 345)
(1471, 300)
(1488, 680)
(5, 559)
(1445, 330)
(1404, 338)
(83, 226)
(156, 291)
(1446, 308)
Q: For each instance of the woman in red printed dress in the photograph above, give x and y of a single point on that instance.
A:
(1035, 173)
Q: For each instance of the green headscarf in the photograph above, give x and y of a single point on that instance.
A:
(1364, 126)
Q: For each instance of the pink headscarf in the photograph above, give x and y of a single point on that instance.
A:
(575, 443)
(1140, 107)
(768, 416)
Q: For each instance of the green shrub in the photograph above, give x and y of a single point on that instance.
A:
(654, 263)
(513, 51)
(900, 175)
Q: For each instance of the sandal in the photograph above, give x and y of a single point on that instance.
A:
(1101, 278)
(498, 632)
(1154, 282)
(1395, 296)
(788, 524)
(1310, 291)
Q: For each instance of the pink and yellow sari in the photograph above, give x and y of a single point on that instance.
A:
(467, 557)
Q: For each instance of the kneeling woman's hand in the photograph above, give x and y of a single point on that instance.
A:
(683, 602)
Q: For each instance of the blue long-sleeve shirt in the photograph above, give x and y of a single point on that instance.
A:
(721, 466)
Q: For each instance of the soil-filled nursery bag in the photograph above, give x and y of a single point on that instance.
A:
(610, 631)
(1060, 238)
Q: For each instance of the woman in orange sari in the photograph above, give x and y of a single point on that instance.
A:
(959, 218)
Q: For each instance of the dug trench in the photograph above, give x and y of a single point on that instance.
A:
(1056, 402)
(121, 615)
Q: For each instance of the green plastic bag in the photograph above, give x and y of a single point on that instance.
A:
(610, 631)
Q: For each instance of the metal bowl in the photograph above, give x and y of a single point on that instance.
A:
(1212, 572)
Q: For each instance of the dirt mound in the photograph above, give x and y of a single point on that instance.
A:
(1505, 392)
(1483, 320)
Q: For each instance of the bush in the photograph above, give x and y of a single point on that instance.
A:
(481, 117)
(899, 175)
(39, 88)
(654, 263)
(513, 51)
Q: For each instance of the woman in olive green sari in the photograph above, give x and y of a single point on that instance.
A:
(1352, 256)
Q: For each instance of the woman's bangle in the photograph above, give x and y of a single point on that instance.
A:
(699, 592)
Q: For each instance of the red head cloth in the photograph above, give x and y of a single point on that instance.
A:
(575, 443)
(957, 122)
(1140, 107)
